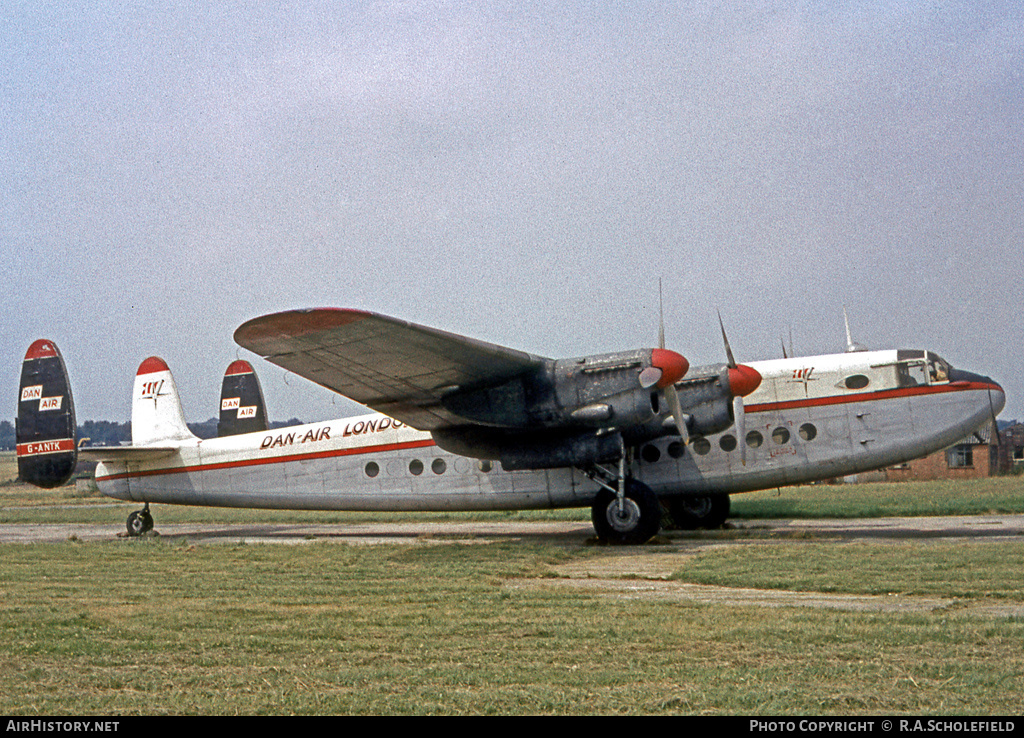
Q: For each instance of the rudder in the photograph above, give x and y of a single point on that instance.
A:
(156, 408)
(242, 409)
(46, 448)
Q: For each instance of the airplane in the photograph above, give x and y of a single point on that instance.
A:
(462, 424)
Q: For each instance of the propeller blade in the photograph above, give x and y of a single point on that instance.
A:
(671, 394)
(740, 419)
(728, 348)
(661, 319)
(677, 412)
(743, 380)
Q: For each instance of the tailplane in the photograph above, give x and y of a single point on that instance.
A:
(156, 408)
(242, 409)
(46, 418)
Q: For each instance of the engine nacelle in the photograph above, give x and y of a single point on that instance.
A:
(706, 400)
(709, 417)
(608, 391)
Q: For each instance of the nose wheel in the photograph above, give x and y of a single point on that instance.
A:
(140, 522)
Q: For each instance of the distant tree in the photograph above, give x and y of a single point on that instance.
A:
(7, 437)
(105, 433)
(207, 429)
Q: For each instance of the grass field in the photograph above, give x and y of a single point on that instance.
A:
(153, 626)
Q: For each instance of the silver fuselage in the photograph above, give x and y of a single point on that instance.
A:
(811, 418)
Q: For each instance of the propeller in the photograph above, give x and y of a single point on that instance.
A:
(743, 380)
(671, 394)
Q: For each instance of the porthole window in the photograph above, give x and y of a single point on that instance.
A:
(416, 467)
(650, 453)
(485, 465)
(856, 382)
(701, 445)
(676, 450)
(780, 435)
(728, 442)
(754, 439)
(372, 469)
(438, 467)
(808, 432)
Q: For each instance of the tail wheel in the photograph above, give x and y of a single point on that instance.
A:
(690, 512)
(635, 521)
(139, 522)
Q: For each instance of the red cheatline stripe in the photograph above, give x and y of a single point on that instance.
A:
(273, 460)
(872, 396)
(38, 448)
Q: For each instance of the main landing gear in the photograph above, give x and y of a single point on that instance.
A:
(625, 511)
(140, 522)
(691, 512)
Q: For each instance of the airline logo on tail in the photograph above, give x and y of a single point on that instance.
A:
(45, 403)
(235, 403)
(151, 390)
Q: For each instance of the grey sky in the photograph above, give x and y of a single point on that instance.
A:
(521, 173)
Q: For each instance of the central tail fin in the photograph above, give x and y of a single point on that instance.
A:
(156, 409)
(242, 409)
(46, 418)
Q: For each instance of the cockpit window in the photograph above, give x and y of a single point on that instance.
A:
(938, 369)
(915, 368)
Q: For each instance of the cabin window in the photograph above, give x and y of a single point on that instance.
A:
(960, 457)
(808, 432)
(485, 465)
(701, 445)
(650, 453)
(728, 442)
(438, 467)
(780, 435)
(856, 382)
(754, 439)
(372, 469)
(676, 450)
(416, 467)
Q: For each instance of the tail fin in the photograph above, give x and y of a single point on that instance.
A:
(46, 418)
(242, 409)
(156, 409)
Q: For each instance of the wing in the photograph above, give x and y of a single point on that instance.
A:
(397, 368)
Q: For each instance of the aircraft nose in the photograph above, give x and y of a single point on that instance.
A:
(997, 396)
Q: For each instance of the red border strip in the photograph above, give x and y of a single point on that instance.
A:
(272, 460)
(872, 396)
(40, 448)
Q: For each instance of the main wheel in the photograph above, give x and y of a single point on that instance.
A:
(139, 522)
(690, 512)
(636, 521)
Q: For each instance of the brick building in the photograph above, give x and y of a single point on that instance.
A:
(975, 457)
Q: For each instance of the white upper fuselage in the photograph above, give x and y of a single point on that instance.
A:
(811, 418)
